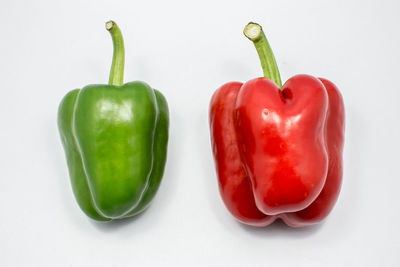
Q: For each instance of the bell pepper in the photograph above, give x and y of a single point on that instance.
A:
(115, 139)
(277, 149)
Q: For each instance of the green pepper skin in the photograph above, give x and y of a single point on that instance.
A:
(115, 139)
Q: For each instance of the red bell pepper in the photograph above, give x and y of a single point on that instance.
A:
(277, 149)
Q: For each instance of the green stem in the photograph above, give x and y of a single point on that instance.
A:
(254, 33)
(118, 61)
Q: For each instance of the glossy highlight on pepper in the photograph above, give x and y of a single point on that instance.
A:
(115, 139)
(277, 149)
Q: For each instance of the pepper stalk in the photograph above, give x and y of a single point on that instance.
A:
(118, 61)
(255, 33)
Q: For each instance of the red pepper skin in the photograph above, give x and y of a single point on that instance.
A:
(278, 153)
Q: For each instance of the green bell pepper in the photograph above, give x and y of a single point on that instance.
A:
(115, 139)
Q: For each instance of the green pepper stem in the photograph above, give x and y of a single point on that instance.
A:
(118, 61)
(254, 33)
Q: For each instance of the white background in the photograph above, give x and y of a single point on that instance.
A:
(187, 50)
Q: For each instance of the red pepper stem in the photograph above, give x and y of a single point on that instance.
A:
(118, 61)
(254, 33)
